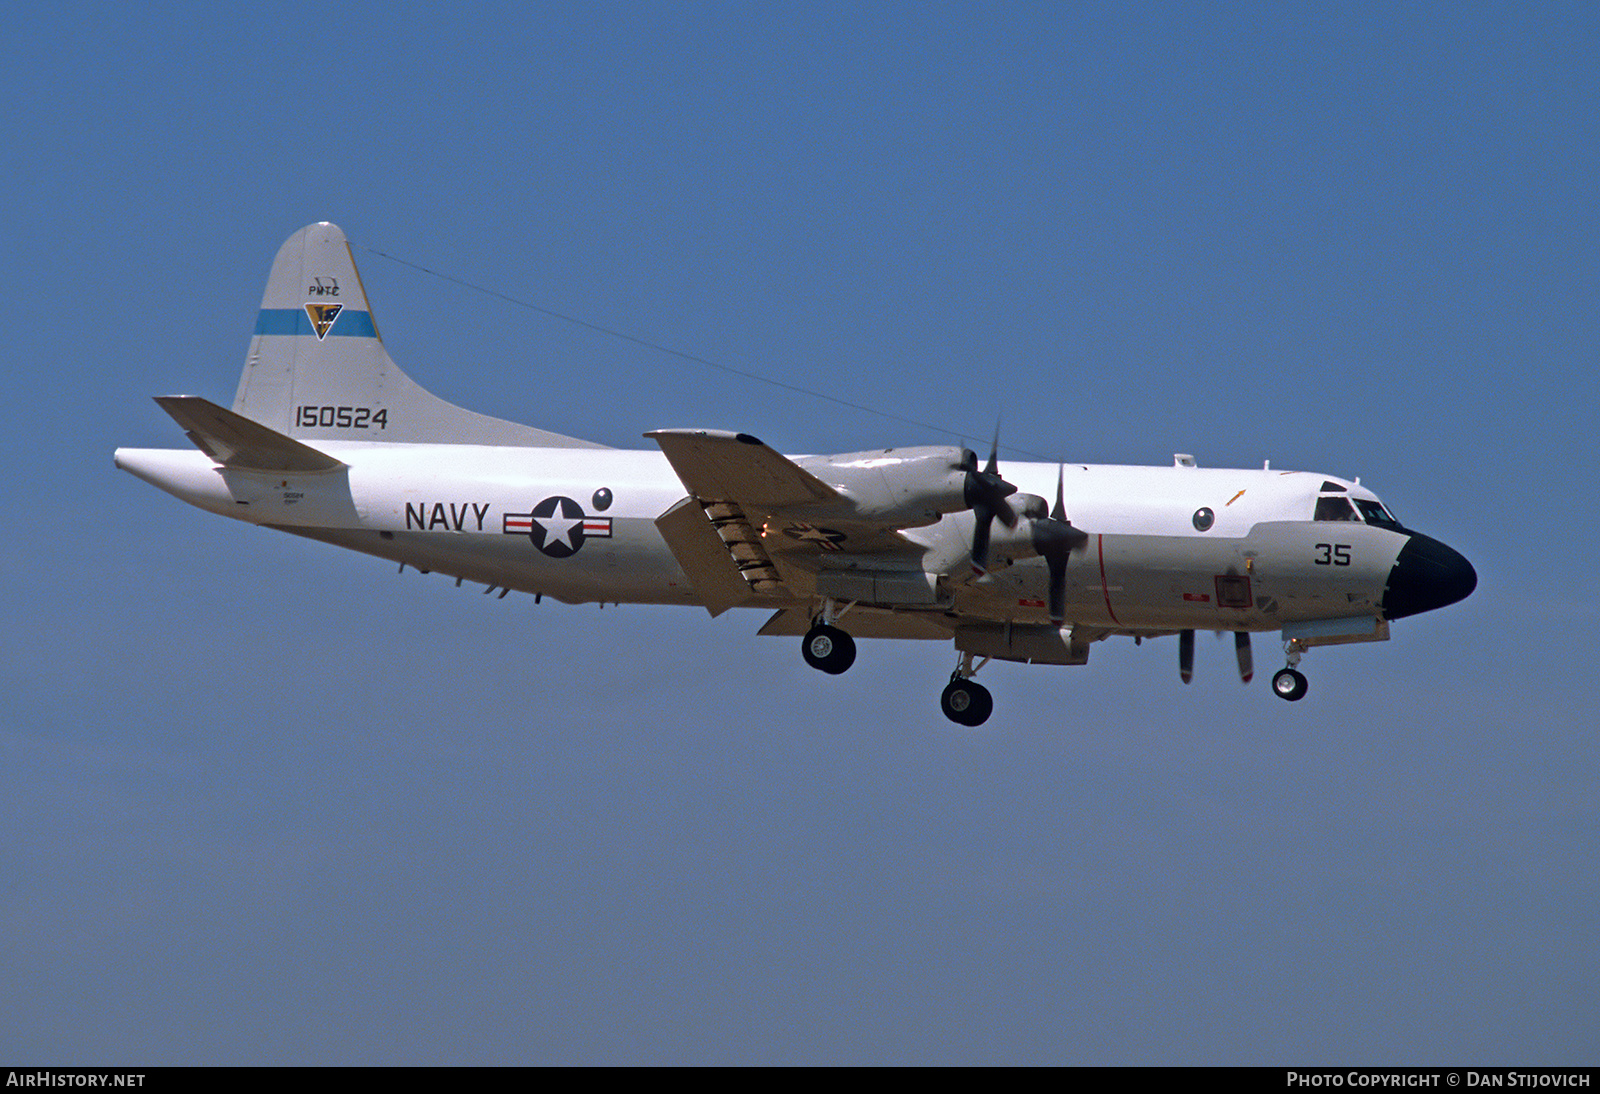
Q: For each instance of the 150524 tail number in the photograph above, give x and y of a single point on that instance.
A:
(342, 417)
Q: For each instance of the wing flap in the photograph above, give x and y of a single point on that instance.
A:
(705, 557)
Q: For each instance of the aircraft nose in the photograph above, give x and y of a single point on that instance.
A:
(1425, 576)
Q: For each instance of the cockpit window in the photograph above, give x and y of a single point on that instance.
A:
(1330, 487)
(1377, 514)
(1335, 509)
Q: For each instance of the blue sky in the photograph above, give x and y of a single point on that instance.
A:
(269, 802)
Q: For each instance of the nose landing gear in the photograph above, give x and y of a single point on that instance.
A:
(1290, 683)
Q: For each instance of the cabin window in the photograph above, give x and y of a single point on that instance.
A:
(1377, 514)
(1335, 509)
(1204, 518)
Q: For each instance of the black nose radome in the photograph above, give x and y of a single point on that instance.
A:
(1427, 575)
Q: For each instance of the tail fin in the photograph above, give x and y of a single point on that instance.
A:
(318, 368)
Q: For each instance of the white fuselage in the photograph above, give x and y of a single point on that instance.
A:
(1149, 565)
(328, 438)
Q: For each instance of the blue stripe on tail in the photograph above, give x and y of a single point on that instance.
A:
(351, 324)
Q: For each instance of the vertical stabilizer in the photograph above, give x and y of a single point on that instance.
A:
(318, 369)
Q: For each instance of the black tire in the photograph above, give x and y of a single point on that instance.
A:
(828, 649)
(966, 703)
(1289, 684)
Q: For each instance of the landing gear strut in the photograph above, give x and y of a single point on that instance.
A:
(965, 701)
(1290, 683)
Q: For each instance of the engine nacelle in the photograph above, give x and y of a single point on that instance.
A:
(904, 487)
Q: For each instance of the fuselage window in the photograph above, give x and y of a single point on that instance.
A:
(1335, 509)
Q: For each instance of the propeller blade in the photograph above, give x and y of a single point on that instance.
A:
(985, 493)
(1241, 649)
(1186, 655)
(1054, 538)
(980, 538)
(998, 487)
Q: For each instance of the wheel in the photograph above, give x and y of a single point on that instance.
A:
(1290, 685)
(828, 649)
(966, 703)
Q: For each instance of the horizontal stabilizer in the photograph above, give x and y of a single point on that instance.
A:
(235, 441)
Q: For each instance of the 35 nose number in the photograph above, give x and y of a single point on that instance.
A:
(1332, 554)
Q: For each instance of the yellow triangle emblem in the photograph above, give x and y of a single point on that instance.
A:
(322, 317)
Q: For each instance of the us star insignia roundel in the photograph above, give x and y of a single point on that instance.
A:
(826, 538)
(557, 526)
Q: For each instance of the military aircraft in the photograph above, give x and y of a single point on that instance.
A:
(328, 439)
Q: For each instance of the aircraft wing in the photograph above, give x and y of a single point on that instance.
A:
(796, 512)
(778, 522)
(717, 466)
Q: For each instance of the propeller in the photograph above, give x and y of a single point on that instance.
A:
(1054, 538)
(985, 494)
(1241, 651)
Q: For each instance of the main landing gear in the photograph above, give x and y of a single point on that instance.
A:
(1290, 683)
(828, 649)
(965, 701)
(825, 647)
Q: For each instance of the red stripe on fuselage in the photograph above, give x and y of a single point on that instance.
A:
(1105, 587)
